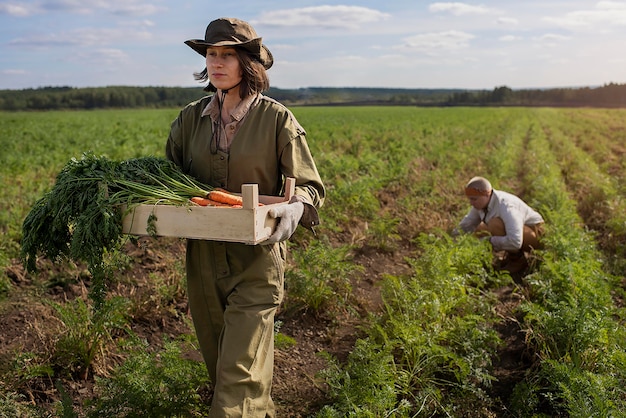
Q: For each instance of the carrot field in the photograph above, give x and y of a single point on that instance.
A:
(387, 314)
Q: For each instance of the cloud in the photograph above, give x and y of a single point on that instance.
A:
(551, 40)
(101, 56)
(350, 17)
(510, 38)
(437, 41)
(115, 7)
(18, 10)
(510, 21)
(136, 9)
(552, 37)
(459, 9)
(13, 71)
(82, 37)
(146, 23)
(606, 13)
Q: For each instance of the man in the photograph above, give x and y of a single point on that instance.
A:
(505, 219)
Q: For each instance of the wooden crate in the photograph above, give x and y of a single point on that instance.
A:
(249, 224)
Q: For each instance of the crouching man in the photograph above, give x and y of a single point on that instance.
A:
(505, 220)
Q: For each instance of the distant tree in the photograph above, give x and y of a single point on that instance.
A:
(502, 95)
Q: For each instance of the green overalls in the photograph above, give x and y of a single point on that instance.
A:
(235, 289)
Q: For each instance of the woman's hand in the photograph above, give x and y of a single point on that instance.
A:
(289, 217)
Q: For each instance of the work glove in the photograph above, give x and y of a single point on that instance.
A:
(289, 216)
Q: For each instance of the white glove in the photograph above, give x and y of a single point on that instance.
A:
(289, 218)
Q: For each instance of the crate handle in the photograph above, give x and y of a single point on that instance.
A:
(290, 188)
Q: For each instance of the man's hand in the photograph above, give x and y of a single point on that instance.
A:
(289, 217)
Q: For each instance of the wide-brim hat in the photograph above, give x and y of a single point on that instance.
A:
(233, 32)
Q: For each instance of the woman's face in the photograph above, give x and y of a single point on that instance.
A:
(222, 64)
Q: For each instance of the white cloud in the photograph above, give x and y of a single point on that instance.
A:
(606, 13)
(459, 9)
(550, 40)
(146, 23)
(18, 10)
(437, 41)
(12, 71)
(350, 17)
(552, 37)
(101, 56)
(510, 38)
(116, 7)
(83, 37)
(125, 9)
(509, 21)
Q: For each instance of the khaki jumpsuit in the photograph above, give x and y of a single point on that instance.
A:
(235, 289)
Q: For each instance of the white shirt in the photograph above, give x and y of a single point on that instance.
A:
(513, 211)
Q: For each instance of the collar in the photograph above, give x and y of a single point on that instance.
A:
(212, 108)
(492, 202)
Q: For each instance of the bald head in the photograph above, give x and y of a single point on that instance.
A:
(478, 186)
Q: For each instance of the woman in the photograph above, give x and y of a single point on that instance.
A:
(233, 137)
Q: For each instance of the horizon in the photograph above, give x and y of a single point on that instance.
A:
(319, 87)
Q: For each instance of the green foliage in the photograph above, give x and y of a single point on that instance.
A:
(433, 345)
(85, 333)
(321, 279)
(13, 405)
(569, 319)
(28, 365)
(81, 217)
(560, 389)
(440, 319)
(366, 387)
(383, 233)
(37, 146)
(162, 384)
(393, 172)
(65, 407)
(282, 341)
(49, 98)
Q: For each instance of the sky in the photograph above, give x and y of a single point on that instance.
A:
(366, 43)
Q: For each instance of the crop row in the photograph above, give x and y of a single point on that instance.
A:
(433, 349)
(394, 177)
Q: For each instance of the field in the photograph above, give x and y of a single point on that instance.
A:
(386, 313)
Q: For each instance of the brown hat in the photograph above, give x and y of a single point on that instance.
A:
(228, 31)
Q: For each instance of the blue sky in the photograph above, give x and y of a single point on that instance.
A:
(392, 43)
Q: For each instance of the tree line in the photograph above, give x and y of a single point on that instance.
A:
(609, 95)
(68, 98)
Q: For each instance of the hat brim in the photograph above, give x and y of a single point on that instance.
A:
(254, 46)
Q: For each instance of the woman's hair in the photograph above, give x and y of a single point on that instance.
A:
(254, 77)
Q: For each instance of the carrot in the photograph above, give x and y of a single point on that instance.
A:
(200, 201)
(221, 204)
(208, 202)
(225, 197)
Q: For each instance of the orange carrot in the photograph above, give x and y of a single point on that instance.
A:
(208, 202)
(225, 197)
(200, 201)
(220, 204)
